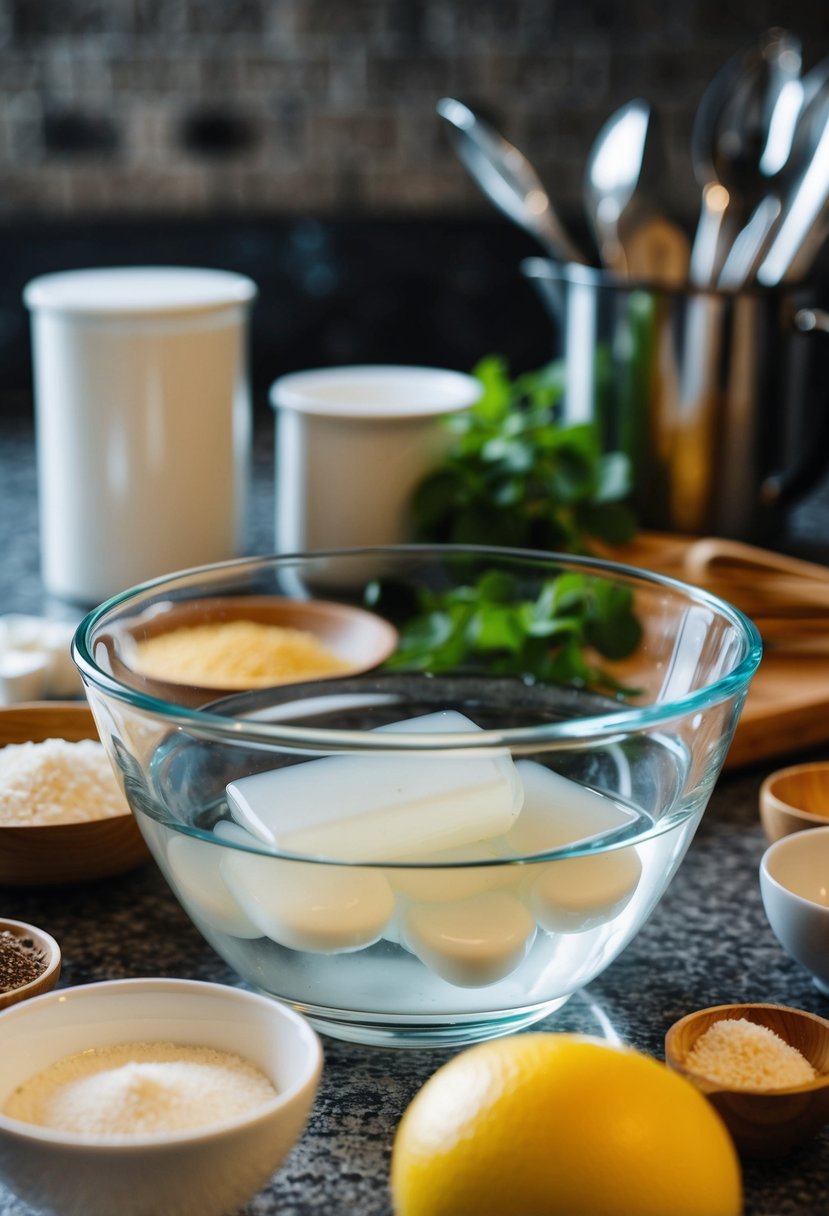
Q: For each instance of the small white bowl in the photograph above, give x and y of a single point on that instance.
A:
(794, 884)
(208, 1170)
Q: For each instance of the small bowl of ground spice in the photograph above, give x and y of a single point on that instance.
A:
(29, 962)
(63, 814)
(765, 1068)
(196, 651)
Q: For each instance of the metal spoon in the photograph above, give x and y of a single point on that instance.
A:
(656, 250)
(730, 138)
(811, 95)
(804, 223)
(611, 176)
(740, 265)
(507, 178)
(785, 97)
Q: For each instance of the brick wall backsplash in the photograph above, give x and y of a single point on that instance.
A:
(324, 106)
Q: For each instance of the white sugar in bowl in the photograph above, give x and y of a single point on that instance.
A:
(208, 1170)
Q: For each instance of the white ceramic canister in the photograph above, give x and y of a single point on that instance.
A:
(143, 417)
(351, 445)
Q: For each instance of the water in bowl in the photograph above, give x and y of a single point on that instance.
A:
(490, 940)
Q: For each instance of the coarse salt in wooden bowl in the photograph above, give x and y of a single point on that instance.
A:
(50, 955)
(762, 1122)
(51, 854)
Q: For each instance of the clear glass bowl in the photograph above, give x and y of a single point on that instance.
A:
(458, 876)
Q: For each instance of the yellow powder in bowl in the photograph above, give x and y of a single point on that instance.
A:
(744, 1055)
(236, 655)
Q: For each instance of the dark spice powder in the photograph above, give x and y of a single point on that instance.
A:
(21, 961)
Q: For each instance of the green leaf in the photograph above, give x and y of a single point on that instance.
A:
(612, 626)
(614, 477)
(614, 523)
(486, 626)
(495, 586)
(515, 476)
(497, 627)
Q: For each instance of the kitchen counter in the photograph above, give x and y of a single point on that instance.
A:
(707, 943)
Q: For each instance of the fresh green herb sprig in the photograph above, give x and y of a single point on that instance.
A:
(550, 638)
(515, 477)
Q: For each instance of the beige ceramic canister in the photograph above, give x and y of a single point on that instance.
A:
(352, 443)
(142, 407)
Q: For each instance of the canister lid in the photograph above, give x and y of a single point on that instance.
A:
(130, 291)
(375, 391)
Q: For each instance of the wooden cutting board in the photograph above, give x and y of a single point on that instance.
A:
(787, 709)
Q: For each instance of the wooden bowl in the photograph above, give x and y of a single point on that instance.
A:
(360, 638)
(54, 854)
(50, 950)
(762, 1122)
(795, 798)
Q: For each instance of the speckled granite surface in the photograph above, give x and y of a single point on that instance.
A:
(707, 943)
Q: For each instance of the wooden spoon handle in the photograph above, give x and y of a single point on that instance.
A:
(713, 555)
(657, 251)
(773, 596)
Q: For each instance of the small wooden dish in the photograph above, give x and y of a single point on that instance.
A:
(762, 1122)
(360, 638)
(55, 854)
(794, 799)
(50, 950)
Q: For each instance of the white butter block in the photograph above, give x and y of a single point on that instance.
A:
(557, 812)
(471, 942)
(383, 807)
(20, 631)
(449, 881)
(23, 676)
(33, 639)
(64, 678)
(323, 908)
(580, 893)
(194, 870)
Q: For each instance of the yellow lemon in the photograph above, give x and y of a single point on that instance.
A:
(562, 1125)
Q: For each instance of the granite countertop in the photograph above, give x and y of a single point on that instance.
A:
(707, 943)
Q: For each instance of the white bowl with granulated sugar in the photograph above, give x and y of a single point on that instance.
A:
(151, 1096)
(63, 814)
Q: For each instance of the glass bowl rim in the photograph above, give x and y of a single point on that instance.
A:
(210, 724)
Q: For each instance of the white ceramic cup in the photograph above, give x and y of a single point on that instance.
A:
(351, 445)
(142, 406)
(794, 885)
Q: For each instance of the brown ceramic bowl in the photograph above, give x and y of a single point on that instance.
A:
(762, 1122)
(794, 799)
(49, 949)
(355, 636)
(54, 854)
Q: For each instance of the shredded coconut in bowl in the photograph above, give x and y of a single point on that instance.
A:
(746, 1055)
(57, 782)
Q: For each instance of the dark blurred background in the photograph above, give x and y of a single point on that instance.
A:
(296, 141)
